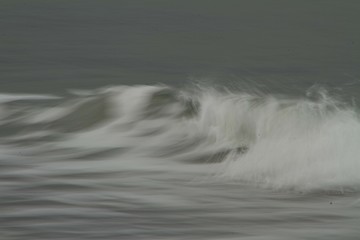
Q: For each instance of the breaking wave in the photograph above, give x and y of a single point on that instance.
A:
(280, 142)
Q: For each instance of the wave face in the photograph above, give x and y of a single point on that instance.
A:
(279, 142)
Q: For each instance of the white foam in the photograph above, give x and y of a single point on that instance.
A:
(293, 144)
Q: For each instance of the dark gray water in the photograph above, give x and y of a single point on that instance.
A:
(55, 45)
(179, 119)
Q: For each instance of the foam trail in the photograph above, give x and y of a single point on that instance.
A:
(7, 97)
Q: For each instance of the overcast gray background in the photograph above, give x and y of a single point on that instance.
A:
(49, 46)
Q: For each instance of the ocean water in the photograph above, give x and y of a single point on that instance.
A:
(179, 120)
